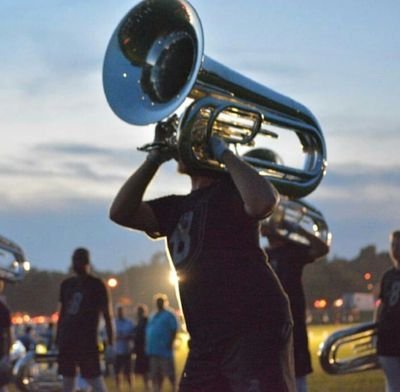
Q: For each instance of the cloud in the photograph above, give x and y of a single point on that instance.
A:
(93, 167)
(49, 237)
(50, 223)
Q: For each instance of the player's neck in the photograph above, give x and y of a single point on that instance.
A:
(199, 182)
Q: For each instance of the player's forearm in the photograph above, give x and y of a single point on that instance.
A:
(8, 342)
(258, 194)
(130, 196)
(377, 314)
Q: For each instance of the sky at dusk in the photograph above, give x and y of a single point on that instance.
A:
(64, 154)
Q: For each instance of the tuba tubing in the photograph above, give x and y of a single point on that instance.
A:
(297, 220)
(363, 351)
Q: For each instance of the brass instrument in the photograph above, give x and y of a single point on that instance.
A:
(13, 263)
(154, 62)
(350, 350)
(292, 218)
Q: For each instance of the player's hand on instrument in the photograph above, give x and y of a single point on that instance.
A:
(160, 155)
(163, 148)
(218, 147)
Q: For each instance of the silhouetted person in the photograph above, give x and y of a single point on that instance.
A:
(388, 317)
(83, 298)
(141, 367)
(48, 336)
(288, 258)
(27, 339)
(235, 309)
(5, 342)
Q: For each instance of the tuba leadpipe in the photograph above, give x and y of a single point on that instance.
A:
(155, 61)
(359, 340)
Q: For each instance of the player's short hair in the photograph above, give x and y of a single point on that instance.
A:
(395, 235)
(161, 298)
(142, 308)
(80, 259)
(264, 154)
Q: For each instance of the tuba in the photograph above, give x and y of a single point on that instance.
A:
(350, 350)
(293, 218)
(154, 63)
(13, 264)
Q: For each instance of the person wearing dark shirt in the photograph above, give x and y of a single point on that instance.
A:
(388, 318)
(83, 298)
(288, 259)
(141, 367)
(5, 342)
(26, 339)
(235, 309)
(48, 336)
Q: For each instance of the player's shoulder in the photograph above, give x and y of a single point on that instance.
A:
(95, 280)
(69, 281)
(392, 274)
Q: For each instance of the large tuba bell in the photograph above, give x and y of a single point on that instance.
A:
(154, 62)
(298, 221)
(13, 263)
(350, 350)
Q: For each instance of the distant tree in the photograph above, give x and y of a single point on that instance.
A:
(330, 279)
(36, 294)
(325, 278)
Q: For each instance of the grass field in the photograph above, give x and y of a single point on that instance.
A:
(319, 381)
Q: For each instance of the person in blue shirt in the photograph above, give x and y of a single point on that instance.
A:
(124, 329)
(160, 335)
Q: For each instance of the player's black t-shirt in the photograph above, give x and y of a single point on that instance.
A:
(82, 300)
(5, 324)
(389, 321)
(225, 284)
(288, 262)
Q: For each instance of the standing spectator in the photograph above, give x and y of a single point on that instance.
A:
(27, 339)
(160, 335)
(388, 317)
(5, 342)
(141, 359)
(48, 336)
(83, 298)
(288, 259)
(124, 329)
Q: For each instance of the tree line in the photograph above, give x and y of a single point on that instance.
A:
(326, 278)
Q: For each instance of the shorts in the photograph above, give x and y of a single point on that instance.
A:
(141, 363)
(87, 362)
(260, 361)
(161, 367)
(123, 362)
